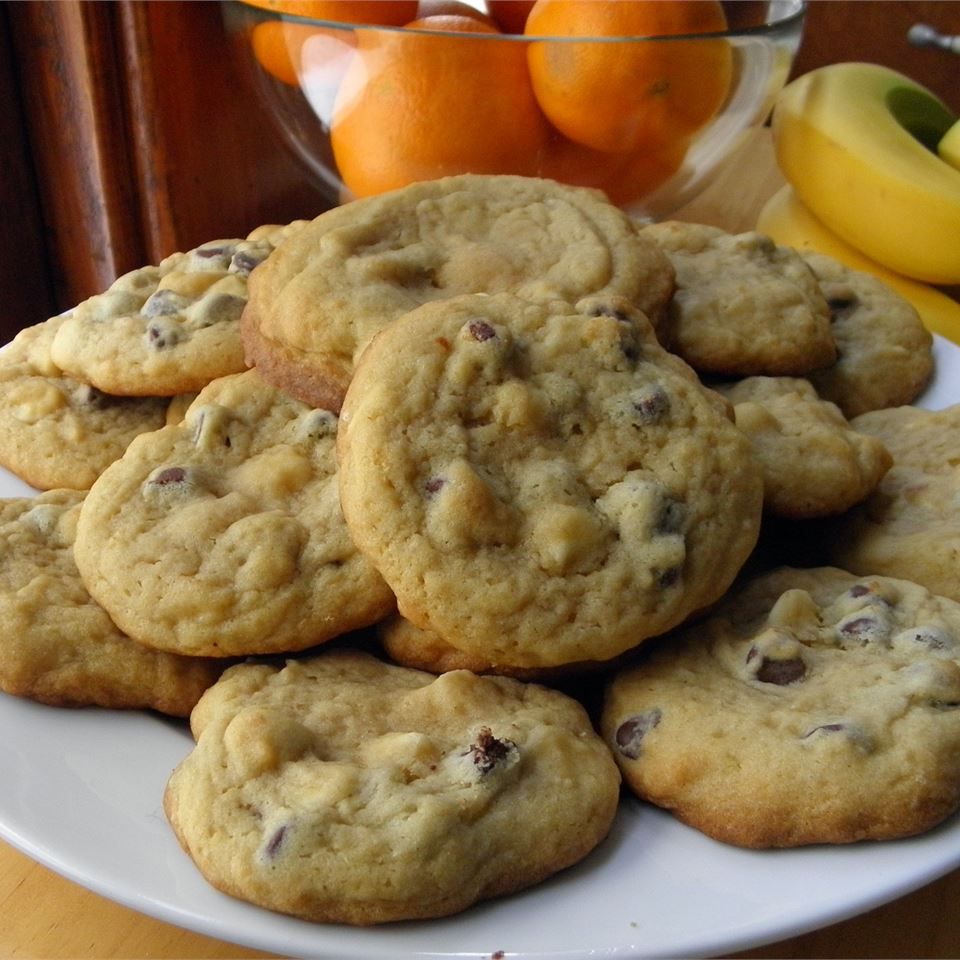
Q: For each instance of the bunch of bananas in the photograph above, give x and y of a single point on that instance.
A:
(872, 163)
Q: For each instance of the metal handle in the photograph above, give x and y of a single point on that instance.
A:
(923, 35)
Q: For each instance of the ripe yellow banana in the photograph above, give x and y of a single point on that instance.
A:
(949, 146)
(858, 143)
(786, 220)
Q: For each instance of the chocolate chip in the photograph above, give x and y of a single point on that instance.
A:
(243, 261)
(89, 396)
(671, 516)
(865, 628)
(169, 475)
(841, 307)
(480, 330)
(219, 308)
(434, 484)
(650, 405)
(668, 578)
(780, 672)
(488, 751)
(163, 303)
(858, 627)
(631, 732)
(317, 424)
(275, 842)
(212, 258)
(162, 336)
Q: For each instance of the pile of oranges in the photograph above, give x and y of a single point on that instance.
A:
(463, 89)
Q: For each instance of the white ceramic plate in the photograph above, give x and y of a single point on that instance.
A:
(81, 793)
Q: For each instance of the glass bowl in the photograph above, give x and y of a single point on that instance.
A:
(368, 108)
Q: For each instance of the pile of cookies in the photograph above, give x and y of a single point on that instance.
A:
(382, 500)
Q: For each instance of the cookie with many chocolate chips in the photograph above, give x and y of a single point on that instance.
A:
(910, 527)
(166, 329)
(813, 706)
(56, 431)
(223, 536)
(331, 286)
(884, 352)
(814, 463)
(744, 305)
(539, 485)
(346, 790)
(58, 645)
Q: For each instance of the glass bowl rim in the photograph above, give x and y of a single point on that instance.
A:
(793, 17)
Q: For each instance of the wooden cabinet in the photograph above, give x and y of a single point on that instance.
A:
(133, 134)
(129, 131)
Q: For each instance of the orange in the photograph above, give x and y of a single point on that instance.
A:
(277, 45)
(634, 94)
(381, 12)
(510, 15)
(325, 58)
(453, 22)
(626, 178)
(436, 8)
(415, 106)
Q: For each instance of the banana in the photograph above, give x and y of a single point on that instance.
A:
(949, 146)
(786, 220)
(858, 143)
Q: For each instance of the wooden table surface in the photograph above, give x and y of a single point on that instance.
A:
(43, 915)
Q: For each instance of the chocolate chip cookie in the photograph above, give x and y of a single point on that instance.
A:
(910, 527)
(884, 352)
(744, 305)
(342, 789)
(58, 646)
(540, 485)
(330, 287)
(166, 329)
(813, 706)
(56, 431)
(223, 535)
(814, 464)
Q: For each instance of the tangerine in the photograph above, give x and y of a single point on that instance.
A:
(510, 15)
(436, 8)
(634, 94)
(324, 59)
(416, 106)
(378, 12)
(277, 46)
(626, 178)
